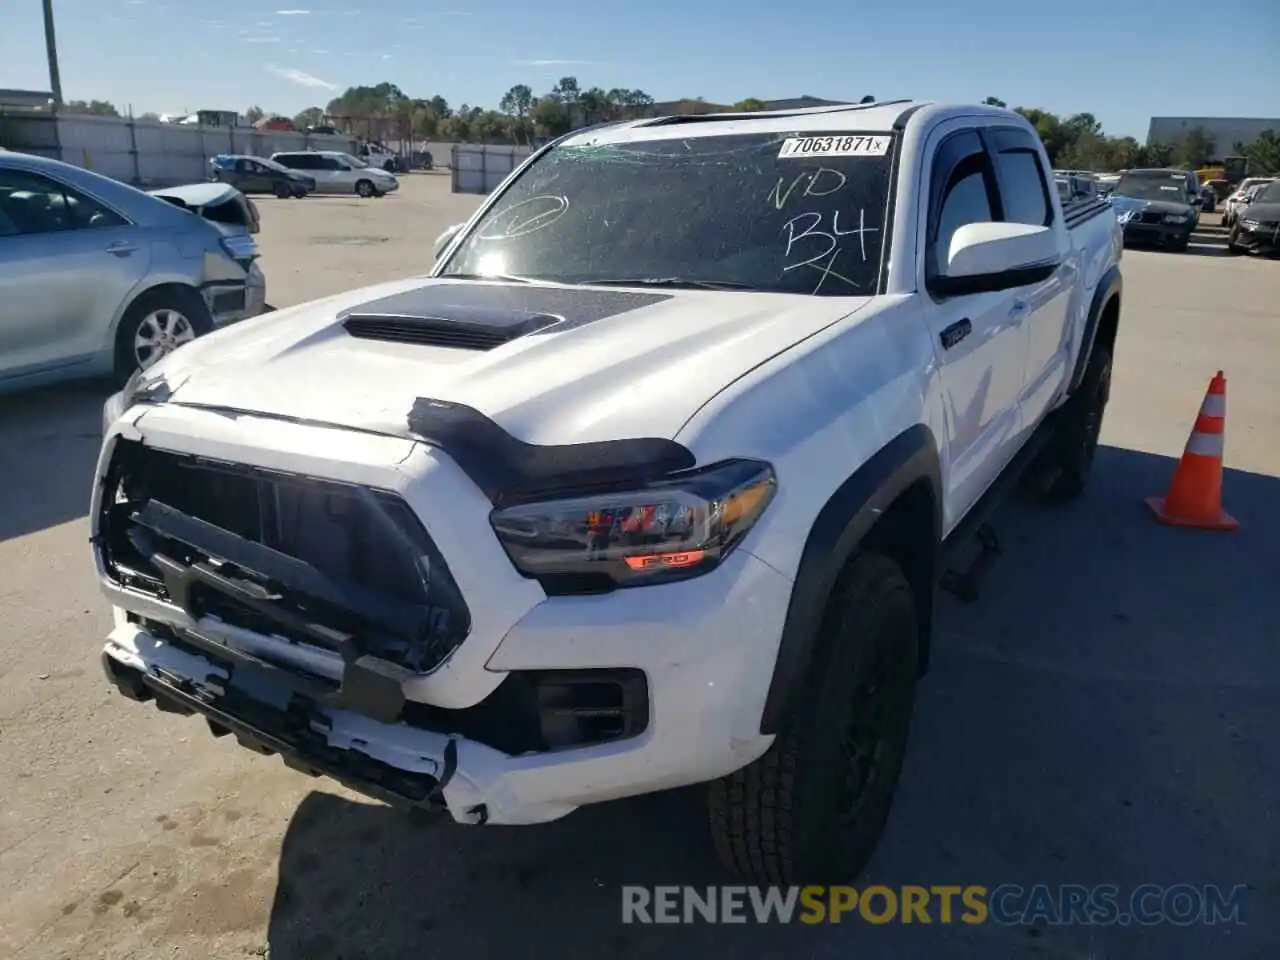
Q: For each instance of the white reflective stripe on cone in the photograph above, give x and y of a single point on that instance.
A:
(1206, 444)
(1215, 405)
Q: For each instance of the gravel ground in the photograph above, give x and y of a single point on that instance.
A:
(1103, 715)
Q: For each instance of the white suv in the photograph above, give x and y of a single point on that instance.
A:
(337, 172)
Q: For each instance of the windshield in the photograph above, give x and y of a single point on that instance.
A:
(1154, 186)
(759, 211)
(272, 165)
(1269, 194)
(353, 161)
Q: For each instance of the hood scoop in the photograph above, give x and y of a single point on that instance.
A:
(425, 321)
(482, 316)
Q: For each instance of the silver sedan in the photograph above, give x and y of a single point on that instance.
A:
(97, 278)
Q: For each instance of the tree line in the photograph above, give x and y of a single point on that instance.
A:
(385, 112)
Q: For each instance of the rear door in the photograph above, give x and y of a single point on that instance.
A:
(67, 263)
(1024, 197)
(340, 177)
(249, 177)
(979, 338)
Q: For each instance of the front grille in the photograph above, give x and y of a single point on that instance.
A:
(229, 300)
(1148, 217)
(312, 561)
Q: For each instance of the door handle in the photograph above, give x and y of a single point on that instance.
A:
(121, 248)
(955, 333)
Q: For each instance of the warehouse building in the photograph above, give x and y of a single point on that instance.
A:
(1225, 131)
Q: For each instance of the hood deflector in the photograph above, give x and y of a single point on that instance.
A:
(483, 316)
(509, 470)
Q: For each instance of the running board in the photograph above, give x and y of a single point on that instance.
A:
(964, 579)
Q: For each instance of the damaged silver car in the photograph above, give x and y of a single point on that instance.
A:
(99, 278)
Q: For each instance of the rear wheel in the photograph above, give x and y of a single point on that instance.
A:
(1233, 242)
(365, 188)
(811, 810)
(1072, 451)
(155, 325)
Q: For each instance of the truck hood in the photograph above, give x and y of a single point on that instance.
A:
(578, 363)
(1135, 204)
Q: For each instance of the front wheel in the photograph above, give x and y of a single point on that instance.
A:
(812, 809)
(283, 191)
(155, 325)
(365, 188)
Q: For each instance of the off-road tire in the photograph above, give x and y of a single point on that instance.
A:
(186, 301)
(365, 188)
(779, 820)
(1071, 452)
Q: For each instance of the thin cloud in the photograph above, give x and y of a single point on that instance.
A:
(302, 78)
(260, 39)
(293, 13)
(556, 63)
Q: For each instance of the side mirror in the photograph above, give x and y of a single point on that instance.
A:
(443, 240)
(986, 257)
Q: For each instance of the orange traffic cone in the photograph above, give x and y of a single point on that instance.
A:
(1195, 496)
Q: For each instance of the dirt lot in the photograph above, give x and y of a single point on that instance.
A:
(1107, 714)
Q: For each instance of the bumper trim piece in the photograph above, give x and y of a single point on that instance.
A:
(268, 735)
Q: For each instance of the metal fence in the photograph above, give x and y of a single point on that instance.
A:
(147, 152)
(481, 167)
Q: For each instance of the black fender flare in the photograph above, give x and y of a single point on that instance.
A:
(1109, 287)
(837, 531)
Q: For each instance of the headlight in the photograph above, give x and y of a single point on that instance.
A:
(670, 530)
(1251, 224)
(240, 247)
(137, 389)
(1175, 218)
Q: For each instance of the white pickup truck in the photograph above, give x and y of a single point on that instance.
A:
(651, 482)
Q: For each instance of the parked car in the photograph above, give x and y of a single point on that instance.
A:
(1157, 206)
(620, 499)
(378, 154)
(336, 172)
(1256, 228)
(1208, 199)
(274, 123)
(259, 175)
(1241, 195)
(98, 278)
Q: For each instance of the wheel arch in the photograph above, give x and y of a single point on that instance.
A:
(1102, 323)
(893, 505)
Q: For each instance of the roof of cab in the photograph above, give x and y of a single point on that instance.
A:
(852, 118)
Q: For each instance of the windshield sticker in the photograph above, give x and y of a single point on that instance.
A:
(802, 147)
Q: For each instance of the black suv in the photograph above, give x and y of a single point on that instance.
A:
(259, 175)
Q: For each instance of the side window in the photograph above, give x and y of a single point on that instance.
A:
(331, 163)
(244, 166)
(1024, 191)
(962, 190)
(34, 204)
(291, 161)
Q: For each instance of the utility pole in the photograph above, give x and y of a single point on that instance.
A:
(51, 48)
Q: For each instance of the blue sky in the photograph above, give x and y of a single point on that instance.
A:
(1124, 60)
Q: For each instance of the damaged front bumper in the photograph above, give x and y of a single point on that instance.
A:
(539, 706)
(269, 711)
